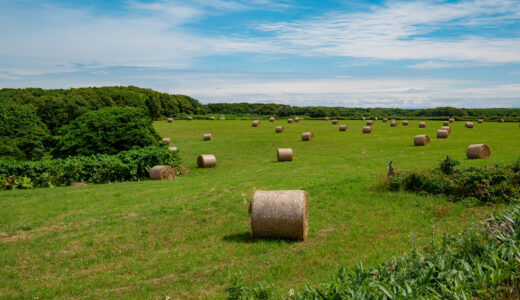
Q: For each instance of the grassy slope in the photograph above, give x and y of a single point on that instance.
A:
(181, 238)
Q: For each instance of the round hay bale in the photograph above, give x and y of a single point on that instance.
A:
(326, 118)
(405, 123)
(480, 121)
(279, 214)
(452, 120)
(271, 119)
(343, 127)
(385, 120)
(190, 118)
(296, 119)
(162, 172)
(256, 123)
(78, 184)
(172, 148)
(442, 134)
(284, 154)
(375, 118)
(393, 124)
(212, 118)
(370, 122)
(421, 140)
(166, 141)
(334, 122)
(170, 120)
(446, 123)
(470, 125)
(363, 118)
(279, 129)
(307, 136)
(447, 128)
(478, 151)
(206, 161)
(290, 120)
(367, 129)
(207, 137)
(422, 124)
(501, 120)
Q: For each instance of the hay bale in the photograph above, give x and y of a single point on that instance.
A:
(166, 141)
(385, 120)
(307, 136)
(470, 125)
(480, 121)
(207, 137)
(284, 154)
(447, 128)
(422, 124)
(279, 129)
(405, 123)
(290, 120)
(162, 172)
(478, 151)
(442, 134)
(279, 214)
(296, 120)
(212, 118)
(271, 119)
(172, 148)
(206, 161)
(375, 118)
(501, 120)
(326, 118)
(421, 140)
(78, 184)
(334, 122)
(369, 122)
(190, 118)
(170, 120)
(367, 129)
(256, 123)
(393, 124)
(343, 127)
(452, 120)
(445, 123)
(363, 118)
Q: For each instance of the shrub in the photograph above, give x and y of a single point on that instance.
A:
(106, 131)
(100, 168)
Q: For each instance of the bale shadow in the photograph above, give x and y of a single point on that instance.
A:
(246, 237)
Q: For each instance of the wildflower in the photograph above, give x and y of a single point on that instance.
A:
(291, 292)
(477, 234)
(460, 234)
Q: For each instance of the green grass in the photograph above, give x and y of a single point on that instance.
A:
(183, 237)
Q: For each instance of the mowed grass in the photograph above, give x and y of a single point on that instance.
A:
(182, 238)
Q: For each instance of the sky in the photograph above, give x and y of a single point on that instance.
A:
(408, 54)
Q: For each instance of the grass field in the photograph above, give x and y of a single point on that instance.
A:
(182, 238)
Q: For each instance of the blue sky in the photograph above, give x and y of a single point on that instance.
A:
(409, 54)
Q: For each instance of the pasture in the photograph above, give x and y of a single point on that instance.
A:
(182, 238)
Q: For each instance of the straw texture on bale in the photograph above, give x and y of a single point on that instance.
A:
(256, 123)
(478, 151)
(284, 154)
(190, 118)
(421, 140)
(271, 119)
(442, 134)
(279, 214)
(393, 124)
(367, 129)
(172, 148)
(446, 123)
(452, 120)
(447, 128)
(334, 122)
(501, 120)
(480, 121)
(422, 124)
(206, 161)
(279, 129)
(385, 119)
(290, 120)
(405, 123)
(212, 118)
(307, 136)
(166, 141)
(170, 120)
(370, 122)
(343, 127)
(208, 137)
(470, 125)
(162, 172)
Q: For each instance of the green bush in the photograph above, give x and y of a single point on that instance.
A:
(106, 131)
(101, 168)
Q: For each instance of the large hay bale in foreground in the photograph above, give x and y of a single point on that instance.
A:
(393, 124)
(421, 140)
(334, 121)
(206, 161)
(442, 134)
(405, 123)
(470, 125)
(290, 120)
(480, 121)
(166, 141)
(172, 148)
(162, 172)
(385, 119)
(279, 214)
(271, 119)
(343, 127)
(279, 129)
(367, 129)
(478, 151)
(447, 128)
(284, 154)
(170, 120)
(422, 124)
(370, 123)
(307, 136)
(256, 123)
(446, 123)
(207, 137)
